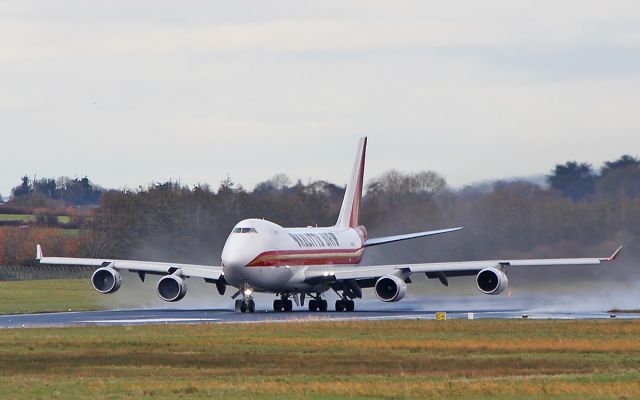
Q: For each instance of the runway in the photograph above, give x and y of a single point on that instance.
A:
(217, 316)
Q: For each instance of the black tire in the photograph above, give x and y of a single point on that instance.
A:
(324, 306)
(251, 307)
(351, 305)
(243, 307)
(339, 305)
(237, 305)
(313, 305)
(277, 305)
(288, 305)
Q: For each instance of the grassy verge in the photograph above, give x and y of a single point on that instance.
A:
(17, 217)
(47, 295)
(327, 360)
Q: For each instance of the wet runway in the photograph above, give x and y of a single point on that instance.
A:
(213, 316)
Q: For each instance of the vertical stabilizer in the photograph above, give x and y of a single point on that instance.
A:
(353, 195)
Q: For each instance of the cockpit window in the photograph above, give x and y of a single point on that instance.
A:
(245, 230)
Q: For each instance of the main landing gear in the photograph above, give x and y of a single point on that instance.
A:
(282, 304)
(318, 304)
(345, 305)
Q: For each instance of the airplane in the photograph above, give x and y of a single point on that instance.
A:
(294, 263)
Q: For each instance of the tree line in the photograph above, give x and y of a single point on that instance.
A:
(47, 191)
(579, 213)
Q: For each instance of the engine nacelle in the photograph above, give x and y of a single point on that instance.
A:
(390, 288)
(106, 280)
(491, 281)
(171, 288)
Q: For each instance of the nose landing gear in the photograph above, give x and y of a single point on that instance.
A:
(247, 304)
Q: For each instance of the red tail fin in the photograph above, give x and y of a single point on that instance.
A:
(353, 195)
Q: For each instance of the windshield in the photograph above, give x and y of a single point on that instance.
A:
(244, 230)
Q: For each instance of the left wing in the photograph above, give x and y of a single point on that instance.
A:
(366, 276)
(208, 272)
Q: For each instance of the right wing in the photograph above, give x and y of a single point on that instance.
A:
(366, 276)
(208, 272)
(397, 238)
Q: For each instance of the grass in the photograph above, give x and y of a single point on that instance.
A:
(327, 360)
(481, 359)
(63, 219)
(47, 295)
(17, 217)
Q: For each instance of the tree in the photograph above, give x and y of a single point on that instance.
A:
(422, 183)
(573, 180)
(24, 189)
(624, 162)
(620, 178)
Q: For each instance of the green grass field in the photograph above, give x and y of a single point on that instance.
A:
(17, 217)
(327, 360)
(63, 219)
(47, 295)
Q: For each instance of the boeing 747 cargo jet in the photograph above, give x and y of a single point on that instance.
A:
(294, 263)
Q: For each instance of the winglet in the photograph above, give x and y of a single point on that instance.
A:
(38, 252)
(613, 256)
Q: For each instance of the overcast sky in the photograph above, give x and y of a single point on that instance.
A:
(131, 92)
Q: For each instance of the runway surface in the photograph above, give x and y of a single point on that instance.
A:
(168, 316)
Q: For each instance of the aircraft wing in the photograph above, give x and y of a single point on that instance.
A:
(208, 272)
(397, 238)
(366, 276)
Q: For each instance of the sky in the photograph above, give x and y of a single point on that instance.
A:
(134, 92)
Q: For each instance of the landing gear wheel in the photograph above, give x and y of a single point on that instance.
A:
(313, 305)
(243, 307)
(251, 306)
(238, 305)
(340, 305)
(323, 305)
(277, 305)
(350, 305)
(288, 305)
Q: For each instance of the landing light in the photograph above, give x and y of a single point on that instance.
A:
(247, 292)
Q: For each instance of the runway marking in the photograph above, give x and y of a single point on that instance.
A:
(149, 320)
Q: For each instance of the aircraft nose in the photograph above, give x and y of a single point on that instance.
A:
(233, 260)
(233, 256)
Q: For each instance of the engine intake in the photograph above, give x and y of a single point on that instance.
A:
(171, 288)
(492, 281)
(106, 280)
(390, 288)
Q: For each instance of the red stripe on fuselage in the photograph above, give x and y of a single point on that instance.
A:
(307, 257)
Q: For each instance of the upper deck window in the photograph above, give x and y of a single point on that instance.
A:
(245, 230)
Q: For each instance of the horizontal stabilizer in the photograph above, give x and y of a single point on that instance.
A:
(397, 238)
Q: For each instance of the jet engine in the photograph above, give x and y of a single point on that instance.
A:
(171, 288)
(390, 288)
(492, 281)
(106, 280)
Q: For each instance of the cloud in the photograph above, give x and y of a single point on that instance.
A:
(470, 89)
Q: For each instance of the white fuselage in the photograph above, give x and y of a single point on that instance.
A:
(266, 257)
